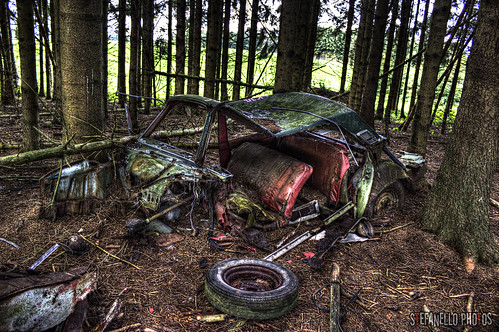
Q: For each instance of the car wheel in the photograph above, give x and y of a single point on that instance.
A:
(251, 288)
(391, 197)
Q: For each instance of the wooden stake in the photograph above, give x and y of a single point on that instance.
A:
(334, 310)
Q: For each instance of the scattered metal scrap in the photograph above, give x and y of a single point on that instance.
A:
(39, 302)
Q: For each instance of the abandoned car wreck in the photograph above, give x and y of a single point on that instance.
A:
(252, 166)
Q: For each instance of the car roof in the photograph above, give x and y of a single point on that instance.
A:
(291, 111)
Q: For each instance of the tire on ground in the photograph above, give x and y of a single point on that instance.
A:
(251, 288)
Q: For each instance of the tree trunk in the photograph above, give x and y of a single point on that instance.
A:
(81, 68)
(122, 51)
(41, 88)
(415, 81)
(190, 44)
(169, 51)
(405, 13)
(180, 47)
(56, 46)
(193, 84)
(132, 72)
(291, 49)
(147, 52)
(104, 55)
(371, 87)
(7, 61)
(212, 46)
(348, 39)
(236, 89)
(458, 207)
(380, 110)
(252, 47)
(433, 57)
(362, 44)
(411, 48)
(452, 93)
(225, 51)
(310, 50)
(48, 70)
(27, 53)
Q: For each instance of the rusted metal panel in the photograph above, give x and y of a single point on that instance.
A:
(43, 306)
(277, 178)
(79, 187)
(329, 160)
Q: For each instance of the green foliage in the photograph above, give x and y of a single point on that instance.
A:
(330, 42)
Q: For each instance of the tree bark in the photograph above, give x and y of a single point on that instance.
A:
(433, 57)
(180, 47)
(252, 47)
(193, 84)
(147, 52)
(236, 89)
(48, 70)
(348, 39)
(399, 58)
(41, 88)
(458, 206)
(81, 68)
(380, 110)
(212, 46)
(104, 55)
(225, 51)
(8, 64)
(362, 44)
(452, 93)
(27, 53)
(122, 51)
(56, 46)
(291, 49)
(371, 86)
(169, 51)
(310, 50)
(133, 71)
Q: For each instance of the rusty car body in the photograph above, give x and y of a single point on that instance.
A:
(280, 149)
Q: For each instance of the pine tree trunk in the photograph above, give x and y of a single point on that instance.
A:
(458, 207)
(452, 93)
(310, 51)
(371, 87)
(104, 55)
(41, 58)
(292, 50)
(212, 46)
(147, 52)
(122, 51)
(433, 56)
(7, 60)
(132, 72)
(225, 51)
(348, 39)
(56, 46)
(399, 58)
(81, 68)
(380, 110)
(169, 51)
(236, 92)
(27, 53)
(252, 47)
(180, 48)
(362, 44)
(48, 70)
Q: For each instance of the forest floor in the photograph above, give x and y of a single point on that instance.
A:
(401, 272)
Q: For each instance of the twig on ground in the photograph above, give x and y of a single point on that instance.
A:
(107, 252)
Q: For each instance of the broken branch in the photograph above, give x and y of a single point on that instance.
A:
(494, 203)
(334, 310)
(107, 252)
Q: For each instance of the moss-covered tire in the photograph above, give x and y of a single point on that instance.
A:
(391, 197)
(251, 288)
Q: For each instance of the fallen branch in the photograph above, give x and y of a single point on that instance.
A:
(124, 328)
(494, 203)
(107, 252)
(398, 227)
(334, 310)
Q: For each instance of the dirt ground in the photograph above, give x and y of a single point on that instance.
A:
(400, 272)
